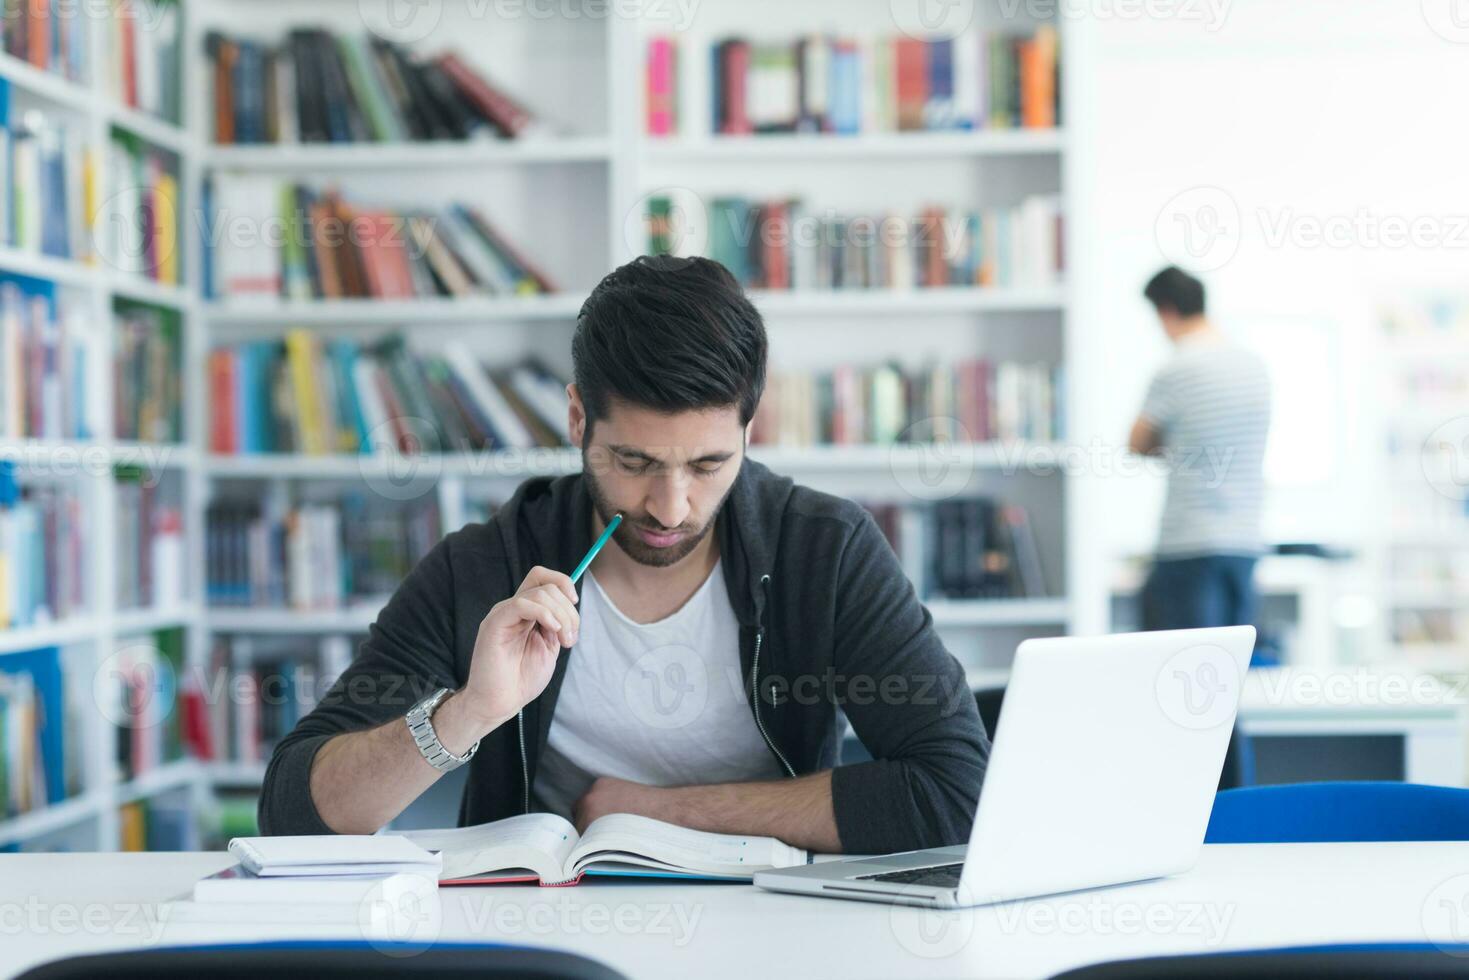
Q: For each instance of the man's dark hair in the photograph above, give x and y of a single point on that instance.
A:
(670, 334)
(1175, 290)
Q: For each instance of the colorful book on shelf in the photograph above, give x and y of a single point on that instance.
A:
(147, 373)
(965, 549)
(785, 244)
(661, 93)
(139, 224)
(545, 848)
(43, 552)
(833, 84)
(142, 66)
(50, 36)
(45, 353)
(318, 87)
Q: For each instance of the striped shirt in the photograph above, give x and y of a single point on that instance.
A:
(1211, 406)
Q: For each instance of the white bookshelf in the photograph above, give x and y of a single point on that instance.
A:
(89, 819)
(567, 197)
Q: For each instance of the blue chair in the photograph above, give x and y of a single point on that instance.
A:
(1345, 811)
(1364, 961)
(328, 960)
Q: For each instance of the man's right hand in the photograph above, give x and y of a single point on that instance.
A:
(515, 652)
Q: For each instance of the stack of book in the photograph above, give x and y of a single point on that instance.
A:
(147, 374)
(788, 245)
(45, 353)
(43, 695)
(975, 548)
(48, 36)
(331, 249)
(324, 555)
(43, 552)
(46, 175)
(845, 85)
(273, 683)
(150, 541)
(138, 224)
(973, 400)
(146, 672)
(320, 88)
(143, 63)
(318, 397)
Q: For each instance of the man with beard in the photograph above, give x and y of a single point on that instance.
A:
(695, 673)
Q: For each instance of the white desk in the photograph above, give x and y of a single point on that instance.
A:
(1239, 897)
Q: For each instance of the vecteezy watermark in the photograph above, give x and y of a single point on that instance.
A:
(936, 19)
(934, 458)
(401, 915)
(67, 461)
(35, 917)
(1351, 687)
(670, 220)
(406, 458)
(1445, 458)
(147, 16)
(932, 19)
(1449, 19)
(1198, 687)
(1445, 915)
(135, 687)
(409, 21)
(569, 915)
(1199, 228)
(667, 687)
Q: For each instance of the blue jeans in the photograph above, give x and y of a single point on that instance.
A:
(1212, 590)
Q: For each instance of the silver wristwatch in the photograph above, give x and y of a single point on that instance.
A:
(421, 727)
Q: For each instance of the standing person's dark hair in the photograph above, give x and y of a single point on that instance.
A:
(1175, 291)
(670, 334)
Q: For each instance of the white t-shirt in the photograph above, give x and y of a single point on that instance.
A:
(658, 703)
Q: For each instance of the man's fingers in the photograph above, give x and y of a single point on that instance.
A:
(564, 614)
(541, 575)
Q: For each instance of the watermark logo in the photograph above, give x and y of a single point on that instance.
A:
(928, 20)
(933, 458)
(1445, 915)
(401, 915)
(1199, 228)
(1445, 458)
(406, 459)
(401, 21)
(1449, 19)
(669, 220)
(668, 687)
(124, 236)
(929, 933)
(1199, 687)
(135, 687)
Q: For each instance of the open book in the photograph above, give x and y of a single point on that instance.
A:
(546, 848)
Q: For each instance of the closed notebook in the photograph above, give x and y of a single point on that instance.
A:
(238, 885)
(546, 848)
(333, 854)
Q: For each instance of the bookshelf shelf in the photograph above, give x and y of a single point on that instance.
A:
(143, 290)
(353, 619)
(310, 158)
(157, 131)
(40, 84)
(147, 620)
(385, 313)
(63, 272)
(58, 816)
(239, 774)
(61, 633)
(169, 776)
(998, 612)
(908, 302)
(797, 146)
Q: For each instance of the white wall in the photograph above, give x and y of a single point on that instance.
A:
(1289, 113)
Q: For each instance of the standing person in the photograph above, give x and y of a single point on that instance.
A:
(1207, 412)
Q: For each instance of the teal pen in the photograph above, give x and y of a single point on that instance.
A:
(592, 553)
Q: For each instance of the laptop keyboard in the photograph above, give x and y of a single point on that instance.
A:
(938, 876)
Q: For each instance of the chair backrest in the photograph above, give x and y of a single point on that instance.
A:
(1340, 811)
(327, 960)
(1351, 962)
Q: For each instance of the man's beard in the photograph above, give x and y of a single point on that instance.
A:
(627, 537)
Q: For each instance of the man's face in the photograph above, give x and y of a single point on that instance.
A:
(667, 474)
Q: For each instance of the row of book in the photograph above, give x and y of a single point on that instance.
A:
(47, 185)
(42, 700)
(316, 87)
(329, 248)
(844, 85)
(147, 379)
(143, 703)
(44, 360)
(273, 682)
(47, 35)
(787, 244)
(138, 225)
(313, 396)
(150, 540)
(143, 65)
(973, 400)
(323, 555)
(43, 551)
(157, 825)
(965, 548)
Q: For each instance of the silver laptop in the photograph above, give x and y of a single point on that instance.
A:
(1104, 767)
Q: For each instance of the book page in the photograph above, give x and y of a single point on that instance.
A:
(537, 842)
(624, 837)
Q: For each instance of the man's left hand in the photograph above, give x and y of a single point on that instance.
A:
(608, 794)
